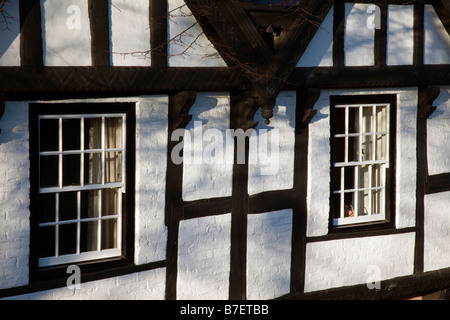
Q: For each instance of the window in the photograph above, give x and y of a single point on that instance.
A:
(81, 182)
(362, 161)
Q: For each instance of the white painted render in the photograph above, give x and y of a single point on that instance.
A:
(346, 262)
(319, 159)
(204, 258)
(359, 38)
(269, 238)
(209, 171)
(320, 49)
(130, 33)
(437, 231)
(400, 35)
(14, 196)
(10, 35)
(271, 156)
(438, 135)
(188, 45)
(146, 285)
(66, 33)
(437, 40)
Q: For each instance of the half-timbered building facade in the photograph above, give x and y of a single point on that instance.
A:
(197, 149)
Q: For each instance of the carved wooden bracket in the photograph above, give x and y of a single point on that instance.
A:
(235, 30)
(2, 106)
(427, 95)
(179, 106)
(309, 98)
(243, 108)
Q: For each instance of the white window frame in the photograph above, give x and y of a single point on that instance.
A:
(99, 253)
(358, 218)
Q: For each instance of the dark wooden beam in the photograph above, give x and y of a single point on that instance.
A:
(99, 20)
(419, 18)
(338, 34)
(117, 80)
(179, 106)
(381, 37)
(438, 183)
(442, 8)
(158, 33)
(31, 52)
(369, 77)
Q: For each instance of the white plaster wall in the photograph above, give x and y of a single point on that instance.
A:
(359, 39)
(14, 196)
(269, 237)
(320, 50)
(347, 262)
(208, 171)
(66, 33)
(10, 35)
(204, 258)
(438, 134)
(437, 231)
(319, 159)
(146, 285)
(151, 167)
(188, 46)
(400, 35)
(130, 32)
(271, 156)
(437, 40)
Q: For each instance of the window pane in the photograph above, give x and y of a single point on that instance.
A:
(367, 148)
(93, 168)
(349, 210)
(367, 119)
(353, 148)
(71, 134)
(339, 150)
(381, 119)
(110, 202)
(113, 133)
(68, 204)
(337, 205)
(376, 176)
(71, 169)
(47, 203)
(67, 238)
(363, 203)
(49, 171)
(89, 236)
(113, 167)
(380, 147)
(353, 120)
(339, 120)
(49, 135)
(89, 204)
(47, 242)
(109, 234)
(93, 133)
(376, 201)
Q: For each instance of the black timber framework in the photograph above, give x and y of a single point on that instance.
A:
(33, 80)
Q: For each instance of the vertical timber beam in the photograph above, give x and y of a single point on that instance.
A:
(179, 106)
(31, 51)
(338, 34)
(243, 107)
(99, 20)
(158, 33)
(305, 112)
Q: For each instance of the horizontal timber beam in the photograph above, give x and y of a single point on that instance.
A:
(25, 82)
